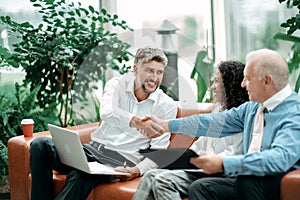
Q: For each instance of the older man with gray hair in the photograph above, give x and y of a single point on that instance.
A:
(271, 126)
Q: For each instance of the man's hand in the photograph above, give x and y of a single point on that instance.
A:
(133, 171)
(147, 126)
(151, 133)
(211, 164)
(161, 122)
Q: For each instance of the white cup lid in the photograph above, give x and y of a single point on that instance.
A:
(27, 121)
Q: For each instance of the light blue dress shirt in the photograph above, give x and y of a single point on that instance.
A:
(280, 150)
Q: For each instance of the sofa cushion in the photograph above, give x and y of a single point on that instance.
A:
(116, 191)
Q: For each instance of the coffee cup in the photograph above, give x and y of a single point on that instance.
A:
(27, 126)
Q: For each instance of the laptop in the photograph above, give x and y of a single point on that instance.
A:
(70, 151)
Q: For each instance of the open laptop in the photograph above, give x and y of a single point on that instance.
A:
(70, 151)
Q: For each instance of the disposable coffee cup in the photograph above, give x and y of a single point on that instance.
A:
(27, 126)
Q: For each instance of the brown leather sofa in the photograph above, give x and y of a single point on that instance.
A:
(20, 177)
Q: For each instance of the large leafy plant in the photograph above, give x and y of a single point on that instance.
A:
(292, 25)
(202, 74)
(68, 51)
(12, 111)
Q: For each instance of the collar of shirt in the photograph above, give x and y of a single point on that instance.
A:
(130, 88)
(276, 99)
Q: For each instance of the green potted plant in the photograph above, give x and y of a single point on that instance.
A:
(68, 51)
(292, 25)
(202, 74)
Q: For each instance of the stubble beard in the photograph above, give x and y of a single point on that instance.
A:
(147, 91)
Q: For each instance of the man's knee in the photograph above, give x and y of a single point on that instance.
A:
(206, 188)
(195, 190)
(39, 146)
(195, 186)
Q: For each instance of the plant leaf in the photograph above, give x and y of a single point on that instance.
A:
(283, 36)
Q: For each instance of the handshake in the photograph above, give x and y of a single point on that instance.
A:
(150, 126)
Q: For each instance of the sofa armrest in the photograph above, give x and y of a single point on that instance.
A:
(290, 185)
(18, 158)
(18, 164)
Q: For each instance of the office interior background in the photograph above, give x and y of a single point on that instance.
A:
(226, 29)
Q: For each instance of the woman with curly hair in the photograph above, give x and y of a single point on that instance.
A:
(231, 75)
(173, 184)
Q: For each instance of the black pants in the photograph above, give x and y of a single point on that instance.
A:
(239, 188)
(212, 187)
(44, 159)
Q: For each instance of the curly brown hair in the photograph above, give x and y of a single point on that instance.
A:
(232, 75)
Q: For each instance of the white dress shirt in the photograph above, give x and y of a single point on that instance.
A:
(118, 106)
(224, 146)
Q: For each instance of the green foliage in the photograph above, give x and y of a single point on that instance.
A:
(90, 111)
(13, 111)
(68, 51)
(3, 161)
(292, 25)
(4, 55)
(96, 104)
(202, 73)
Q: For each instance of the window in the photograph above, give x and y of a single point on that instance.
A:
(191, 17)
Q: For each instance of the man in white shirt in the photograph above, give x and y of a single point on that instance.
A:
(124, 104)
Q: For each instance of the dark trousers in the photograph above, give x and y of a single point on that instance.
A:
(44, 159)
(211, 188)
(239, 188)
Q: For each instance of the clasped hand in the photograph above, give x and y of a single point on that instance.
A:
(149, 126)
(152, 126)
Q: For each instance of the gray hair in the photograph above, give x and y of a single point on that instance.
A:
(144, 55)
(270, 62)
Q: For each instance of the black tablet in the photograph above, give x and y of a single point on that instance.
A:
(177, 158)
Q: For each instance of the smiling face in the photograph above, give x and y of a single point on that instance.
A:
(255, 85)
(148, 78)
(265, 74)
(218, 88)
